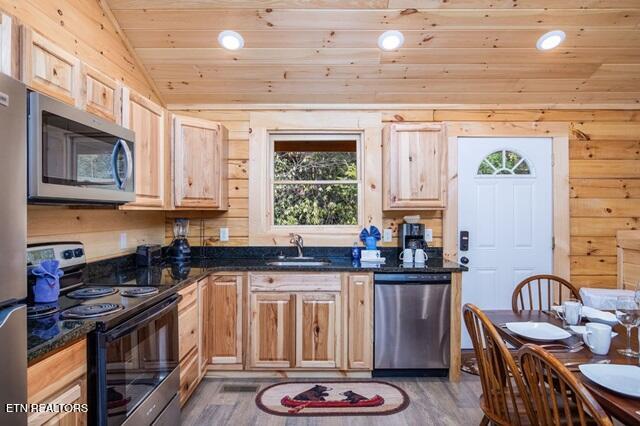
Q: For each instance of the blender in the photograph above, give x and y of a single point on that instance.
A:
(179, 249)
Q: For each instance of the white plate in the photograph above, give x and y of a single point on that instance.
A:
(596, 315)
(624, 379)
(539, 331)
(580, 329)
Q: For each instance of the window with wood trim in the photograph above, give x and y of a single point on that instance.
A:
(315, 179)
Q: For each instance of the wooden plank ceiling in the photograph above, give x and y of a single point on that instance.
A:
(467, 52)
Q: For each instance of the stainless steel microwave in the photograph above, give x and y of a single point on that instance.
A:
(76, 157)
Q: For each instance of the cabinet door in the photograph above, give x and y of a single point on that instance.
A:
(360, 321)
(317, 330)
(203, 324)
(102, 95)
(225, 320)
(9, 46)
(146, 119)
(49, 69)
(414, 166)
(272, 330)
(60, 378)
(200, 164)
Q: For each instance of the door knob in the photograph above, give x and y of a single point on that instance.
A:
(464, 260)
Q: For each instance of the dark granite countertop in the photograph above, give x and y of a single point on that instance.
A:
(50, 333)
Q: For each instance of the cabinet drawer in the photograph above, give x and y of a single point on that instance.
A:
(189, 376)
(294, 282)
(189, 297)
(188, 330)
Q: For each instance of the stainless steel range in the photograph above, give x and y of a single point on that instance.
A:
(133, 374)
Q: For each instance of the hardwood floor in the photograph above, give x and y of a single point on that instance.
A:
(434, 401)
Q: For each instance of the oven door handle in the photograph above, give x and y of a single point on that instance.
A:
(142, 319)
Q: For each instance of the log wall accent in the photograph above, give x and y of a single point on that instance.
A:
(604, 177)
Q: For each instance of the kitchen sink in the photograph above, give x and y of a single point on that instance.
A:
(299, 262)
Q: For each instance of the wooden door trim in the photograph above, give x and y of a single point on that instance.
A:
(559, 132)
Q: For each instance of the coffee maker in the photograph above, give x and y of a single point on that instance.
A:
(179, 249)
(411, 236)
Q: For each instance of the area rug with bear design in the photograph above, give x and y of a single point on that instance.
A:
(322, 398)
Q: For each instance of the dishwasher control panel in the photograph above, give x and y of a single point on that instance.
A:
(409, 278)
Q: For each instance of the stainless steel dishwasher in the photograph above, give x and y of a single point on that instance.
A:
(412, 324)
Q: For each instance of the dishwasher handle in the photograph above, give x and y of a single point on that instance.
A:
(413, 279)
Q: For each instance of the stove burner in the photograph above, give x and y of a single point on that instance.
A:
(91, 310)
(91, 292)
(139, 291)
(39, 311)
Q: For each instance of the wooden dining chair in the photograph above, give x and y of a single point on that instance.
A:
(530, 293)
(502, 385)
(558, 397)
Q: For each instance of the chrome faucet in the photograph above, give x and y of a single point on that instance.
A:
(297, 241)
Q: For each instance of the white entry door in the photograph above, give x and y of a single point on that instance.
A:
(505, 205)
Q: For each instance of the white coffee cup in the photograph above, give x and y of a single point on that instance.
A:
(597, 337)
(407, 255)
(572, 311)
(420, 256)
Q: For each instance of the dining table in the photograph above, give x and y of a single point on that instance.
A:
(624, 408)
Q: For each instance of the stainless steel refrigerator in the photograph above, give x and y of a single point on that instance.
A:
(13, 241)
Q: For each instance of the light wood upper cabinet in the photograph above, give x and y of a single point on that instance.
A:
(224, 315)
(59, 379)
(146, 119)
(200, 164)
(9, 46)
(272, 322)
(414, 166)
(318, 330)
(102, 95)
(49, 69)
(360, 321)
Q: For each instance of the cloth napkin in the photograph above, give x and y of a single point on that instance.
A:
(47, 286)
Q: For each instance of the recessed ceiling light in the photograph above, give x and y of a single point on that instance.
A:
(550, 40)
(390, 40)
(230, 40)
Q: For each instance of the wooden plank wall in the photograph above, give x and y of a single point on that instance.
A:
(604, 173)
(81, 28)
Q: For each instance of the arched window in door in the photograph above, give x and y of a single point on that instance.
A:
(504, 162)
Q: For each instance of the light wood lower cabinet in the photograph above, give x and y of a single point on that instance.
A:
(272, 330)
(224, 326)
(318, 327)
(188, 341)
(360, 321)
(59, 379)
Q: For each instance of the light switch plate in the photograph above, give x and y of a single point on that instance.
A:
(123, 240)
(387, 235)
(428, 235)
(224, 234)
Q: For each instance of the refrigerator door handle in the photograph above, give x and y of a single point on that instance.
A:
(6, 313)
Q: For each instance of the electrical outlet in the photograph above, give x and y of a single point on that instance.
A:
(123, 240)
(224, 234)
(428, 235)
(387, 235)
